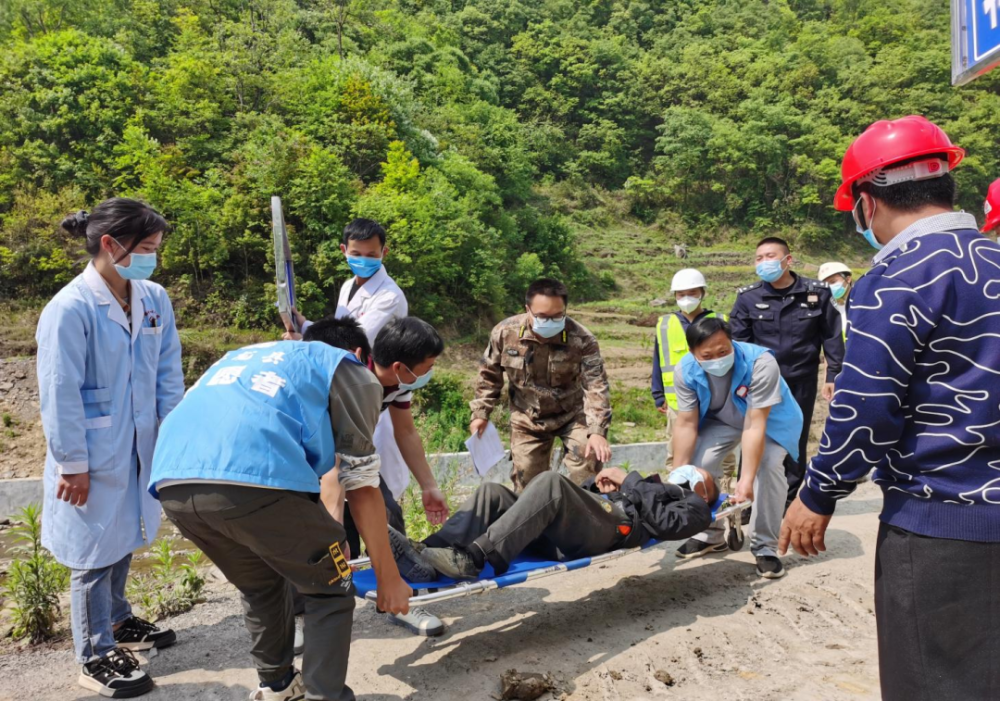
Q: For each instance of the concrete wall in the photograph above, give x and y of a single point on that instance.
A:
(639, 456)
(16, 493)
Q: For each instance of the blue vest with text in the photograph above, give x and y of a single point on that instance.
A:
(784, 423)
(260, 416)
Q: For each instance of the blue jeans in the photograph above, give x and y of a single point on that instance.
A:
(97, 604)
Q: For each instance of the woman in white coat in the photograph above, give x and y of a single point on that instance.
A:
(109, 371)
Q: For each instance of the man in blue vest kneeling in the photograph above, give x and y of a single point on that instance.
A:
(728, 394)
(237, 469)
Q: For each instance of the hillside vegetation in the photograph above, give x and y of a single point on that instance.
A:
(473, 130)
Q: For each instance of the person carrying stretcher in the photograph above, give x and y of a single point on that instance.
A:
(559, 520)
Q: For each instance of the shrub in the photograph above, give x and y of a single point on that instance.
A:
(34, 580)
(417, 526)
(169, 588)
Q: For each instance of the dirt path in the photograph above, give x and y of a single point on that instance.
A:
(718, 630)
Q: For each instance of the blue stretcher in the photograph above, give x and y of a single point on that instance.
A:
(527, 568)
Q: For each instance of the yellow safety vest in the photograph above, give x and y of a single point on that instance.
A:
(673, 339)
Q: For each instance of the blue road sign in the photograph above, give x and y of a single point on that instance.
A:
(975, 38)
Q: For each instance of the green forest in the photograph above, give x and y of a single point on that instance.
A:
(462, 125)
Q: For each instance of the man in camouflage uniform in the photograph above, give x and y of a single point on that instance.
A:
(556, 383)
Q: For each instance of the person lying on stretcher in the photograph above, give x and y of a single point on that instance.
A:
(559, 520)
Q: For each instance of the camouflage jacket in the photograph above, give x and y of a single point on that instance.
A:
(547, 379)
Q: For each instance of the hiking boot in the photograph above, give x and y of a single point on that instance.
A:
(116, 676)
(295, 691)
(417, 545)
(770, 567)
(451, 562)
(697, 548)
(419, 621)
(299, 645)
(138, 635)
(412, 565)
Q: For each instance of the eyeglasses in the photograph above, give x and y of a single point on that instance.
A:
(543, 317)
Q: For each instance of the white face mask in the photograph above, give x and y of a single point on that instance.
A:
(688, 304)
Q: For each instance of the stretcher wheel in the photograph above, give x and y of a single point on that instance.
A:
(734, 535)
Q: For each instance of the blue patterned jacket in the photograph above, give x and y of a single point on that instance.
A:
(919, 395)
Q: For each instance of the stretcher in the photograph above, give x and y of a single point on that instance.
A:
(526, 568)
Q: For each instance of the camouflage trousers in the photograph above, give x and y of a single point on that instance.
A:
(531, 444)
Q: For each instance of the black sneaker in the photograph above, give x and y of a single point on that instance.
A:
(412, 565)
(697, 548)
(137, 634)
(770, 567)
(451, 562)
(116, 676)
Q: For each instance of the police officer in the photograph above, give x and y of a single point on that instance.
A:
(557, 384)
(670, 345)
(793, 316)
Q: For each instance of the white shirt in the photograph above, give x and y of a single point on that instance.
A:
(375, 303)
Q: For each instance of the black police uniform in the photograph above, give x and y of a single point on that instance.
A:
(794, 323)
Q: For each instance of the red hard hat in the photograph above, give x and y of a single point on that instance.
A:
(992, 207)
(887, 142)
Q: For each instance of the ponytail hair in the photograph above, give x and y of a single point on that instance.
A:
(121, 218)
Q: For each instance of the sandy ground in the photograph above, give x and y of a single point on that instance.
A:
(716, 628)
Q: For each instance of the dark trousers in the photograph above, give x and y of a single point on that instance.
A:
(262, 539)
(937, 608)
(804, 392)
(393, 514)
(555, 517)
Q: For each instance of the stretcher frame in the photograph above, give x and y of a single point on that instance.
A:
(724, 511)
(284, 270)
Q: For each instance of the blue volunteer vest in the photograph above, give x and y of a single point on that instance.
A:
(784, 423)
(259, 416)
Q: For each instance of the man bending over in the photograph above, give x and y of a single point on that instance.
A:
(560, 521)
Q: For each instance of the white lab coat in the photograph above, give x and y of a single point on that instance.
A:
(104, 390)
(377, 302)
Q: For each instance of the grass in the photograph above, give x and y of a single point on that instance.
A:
(169, 587)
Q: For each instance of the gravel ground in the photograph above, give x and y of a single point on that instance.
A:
(711, 627)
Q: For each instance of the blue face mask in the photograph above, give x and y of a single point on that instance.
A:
(421, 380)
(364, 267)
(688, 474)
(870, 238)
(867, 233)
(719, 366)
(769, 270)
(838, 289)
(547, 328)
(140, 265)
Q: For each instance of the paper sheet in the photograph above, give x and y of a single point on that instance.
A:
(486, 450)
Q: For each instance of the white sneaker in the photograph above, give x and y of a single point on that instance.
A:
(296, 691)
(419, 621)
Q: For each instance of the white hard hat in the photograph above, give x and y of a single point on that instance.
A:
(687, 279)
(833, 268)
